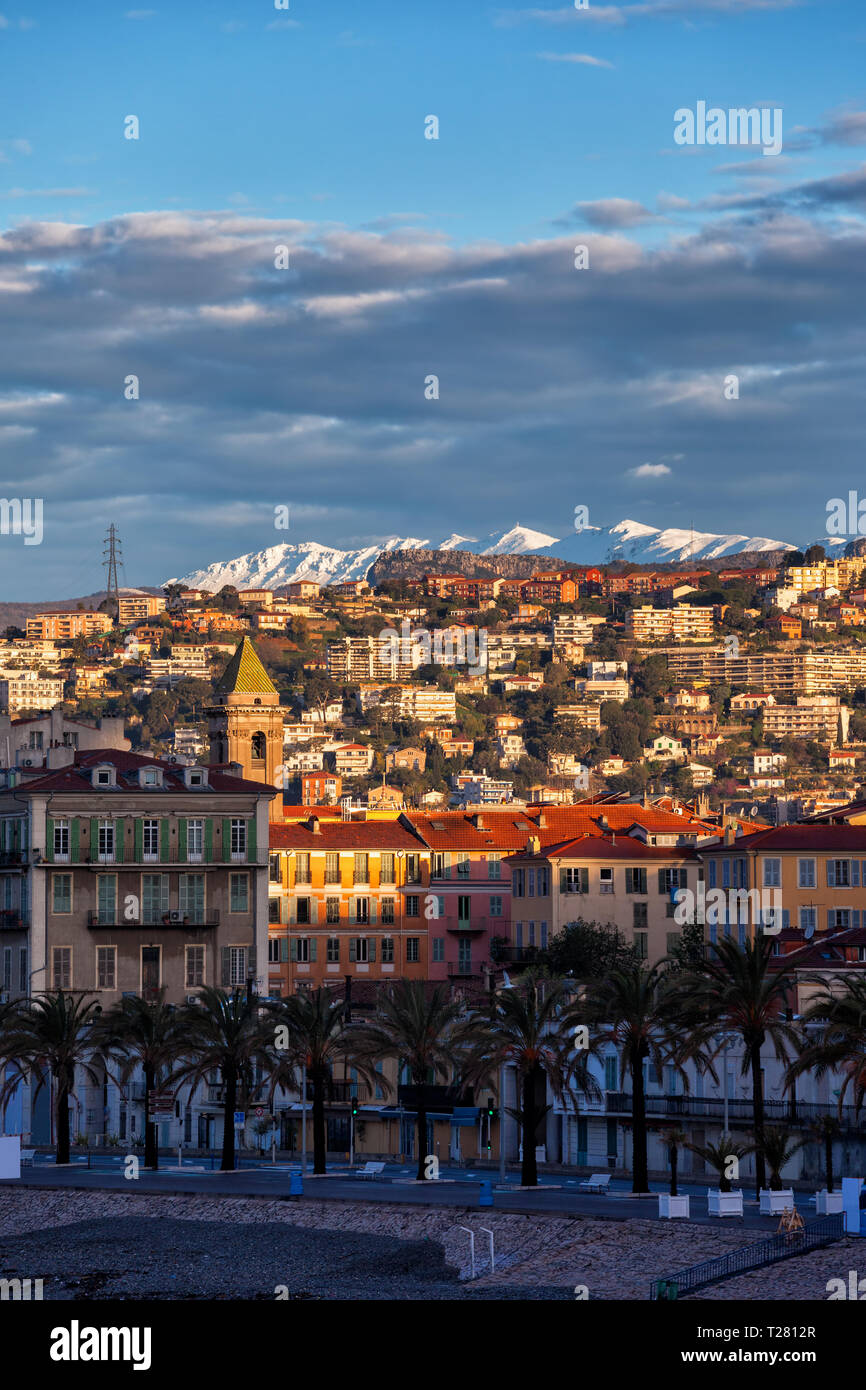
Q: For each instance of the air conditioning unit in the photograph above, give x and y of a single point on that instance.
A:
(175, 916)
(28, 762)
(192, 998)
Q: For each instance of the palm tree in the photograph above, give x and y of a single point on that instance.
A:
(52, 1035)
(779, 1145)
(629, 1009)
(139, 1033)
(315, 1035)
(824, 1131)
(224, 1032)
(735, 991)
(530, 1026)
(416, 1025)
(673, 1140)
(841, 1045)
(719, 1155)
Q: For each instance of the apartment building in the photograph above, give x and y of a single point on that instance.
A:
(813, 716)
(424, 703)
(68, 625)
(28, 690)
(51, 740)
(137, 608)
(352, 759)
(837, 574)
(124, 874)
(777, 673)
(359, 659)
(346, 897)
(303, 588)
(603, 689)
(684, 622)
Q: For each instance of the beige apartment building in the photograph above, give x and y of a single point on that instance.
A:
(137, 608)
(780, 673)
(684, 622)
(28, 690)
(813, 716)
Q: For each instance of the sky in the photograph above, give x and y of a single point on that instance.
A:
(159, 369)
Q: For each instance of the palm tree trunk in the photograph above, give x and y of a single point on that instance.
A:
(62, 1121)
(227, 1164)
(640, 1176)
(320, 1145)
(674, 1158)
(421, 1174)
(758, 1116)
(151, 1146)
(529, 1167)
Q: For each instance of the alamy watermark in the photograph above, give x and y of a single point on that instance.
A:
(444, 647)
(754, 125)
(22, 516)
(846, 518)
(763, 906)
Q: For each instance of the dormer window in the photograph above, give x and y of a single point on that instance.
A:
(150, 777)
(104, 775)
(195, 776)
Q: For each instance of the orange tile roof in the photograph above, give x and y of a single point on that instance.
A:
(343, 834)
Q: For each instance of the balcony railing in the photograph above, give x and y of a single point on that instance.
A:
(801, 1115)
(13, 920)
(463, 969)
(515, 955)
(341, 1092)
(172, 920)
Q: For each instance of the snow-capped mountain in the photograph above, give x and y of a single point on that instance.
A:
(627, 540)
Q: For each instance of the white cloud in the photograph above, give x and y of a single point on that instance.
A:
(585, 58)
(649, 470)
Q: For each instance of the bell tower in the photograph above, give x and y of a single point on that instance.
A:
(245, 721)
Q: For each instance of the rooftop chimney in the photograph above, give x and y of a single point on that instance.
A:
(314, 825)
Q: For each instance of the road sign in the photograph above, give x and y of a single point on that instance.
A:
(239, 1119)
(259, 1112)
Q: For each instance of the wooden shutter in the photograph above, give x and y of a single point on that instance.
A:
(284, 948)
(227, 838)
(371, 948)
(251, 840)
(94, 840)
(831, 874)
(138, 836)
(251, 960)
(208, 841)
(49, 839)
(584, 880)
(164, 841)
(684, 878)
(226, 966)
(629, 880)
(181, 839)
(563, 881)
(855, 873)
(312, 948)
(662, 888)
(74, 838)
(353, 954)
(293, 949)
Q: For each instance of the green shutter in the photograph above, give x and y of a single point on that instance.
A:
(584, 880)
(629, 880)
(94, 840)
(293, 955)
(208, 841)
(226, 966)
(119, 841)
(74, 840)
(251, 840)
(164, 843)
(312, 948)
(138, 840)
(227, 838)
(181, 839)
(371, 948)
(284, 948)
(684, 878)
(353, 955)
(49, 839)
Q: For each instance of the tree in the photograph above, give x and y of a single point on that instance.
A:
(52, 1035)
(674, 1139)
(628, 1008)
(224, 1032)
(778, 1146)
(824, 1132)
(587, 950)
(138, 1032)
(417, 1027)
(719, 1156)
(311, 1032)
(734, 990)
(530, 1027)
(841, 1044)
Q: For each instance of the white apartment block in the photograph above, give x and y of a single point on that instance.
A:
(28, 690)
(683, 622)
(813, 716)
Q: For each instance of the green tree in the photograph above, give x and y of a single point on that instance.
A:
(51, 1036)
(136, 1032)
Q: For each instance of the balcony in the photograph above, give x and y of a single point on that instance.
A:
(440, 1099)
(515, 955)
(170, 921)
(13, 858)
(800, 1116)
(341, 1092)
(463, 969)
(12, 920)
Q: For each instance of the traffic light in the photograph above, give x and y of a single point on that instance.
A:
(354, 1106)
(490, 1109)
(490, 1113)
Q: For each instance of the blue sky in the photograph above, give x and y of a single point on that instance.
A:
(409, 256)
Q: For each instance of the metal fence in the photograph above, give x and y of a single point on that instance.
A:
(763, 1252)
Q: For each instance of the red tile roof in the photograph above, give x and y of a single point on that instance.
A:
(343, 834)
(842, 838)
(77, 776)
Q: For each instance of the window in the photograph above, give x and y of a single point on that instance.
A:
(23, 977)
(333, 952)
(61, 967)
(258, 747)
(439, 948)
(358, 948)
(412, 905)
(808, 918)
(190, 897)
(61, 841)
(332, 867)
(610, 1074)
(151, 777)
(673, 940)
(806, 873)
(302, 868)
(106, 841)
(362, 910)
(239, 839)
(150, 839)
(574, 880)
(106, 967)
(239, 893)
(301, 949)
(332, 910)
(463, 866)
(640, 944)
(237, 962)
(274, 910)
(838, 919)
(464, 907)
(639, 915)
(544, 882)
(387, 950)
(413, 868)
(106, 900)
(772, 873)
(635, 880)
(35, 741)
(494, 866)
(387, 910)
(605, 880)
(838, 873)
(711, 874)
(386, 868)
(518, 883)
(302, 910)
(671, 879)
(154, 897)
(361, 868)
(194, 839)
(61, 892)
(413, 954)
(274, 954)
(496, 907)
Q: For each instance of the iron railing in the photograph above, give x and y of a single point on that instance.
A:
(798, 1115)
(756, 1256)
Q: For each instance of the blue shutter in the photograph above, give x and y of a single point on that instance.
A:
(831, 874)
(294, 949)
(786, 918)
(855, 873)
(312, 948)
(855, 918)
